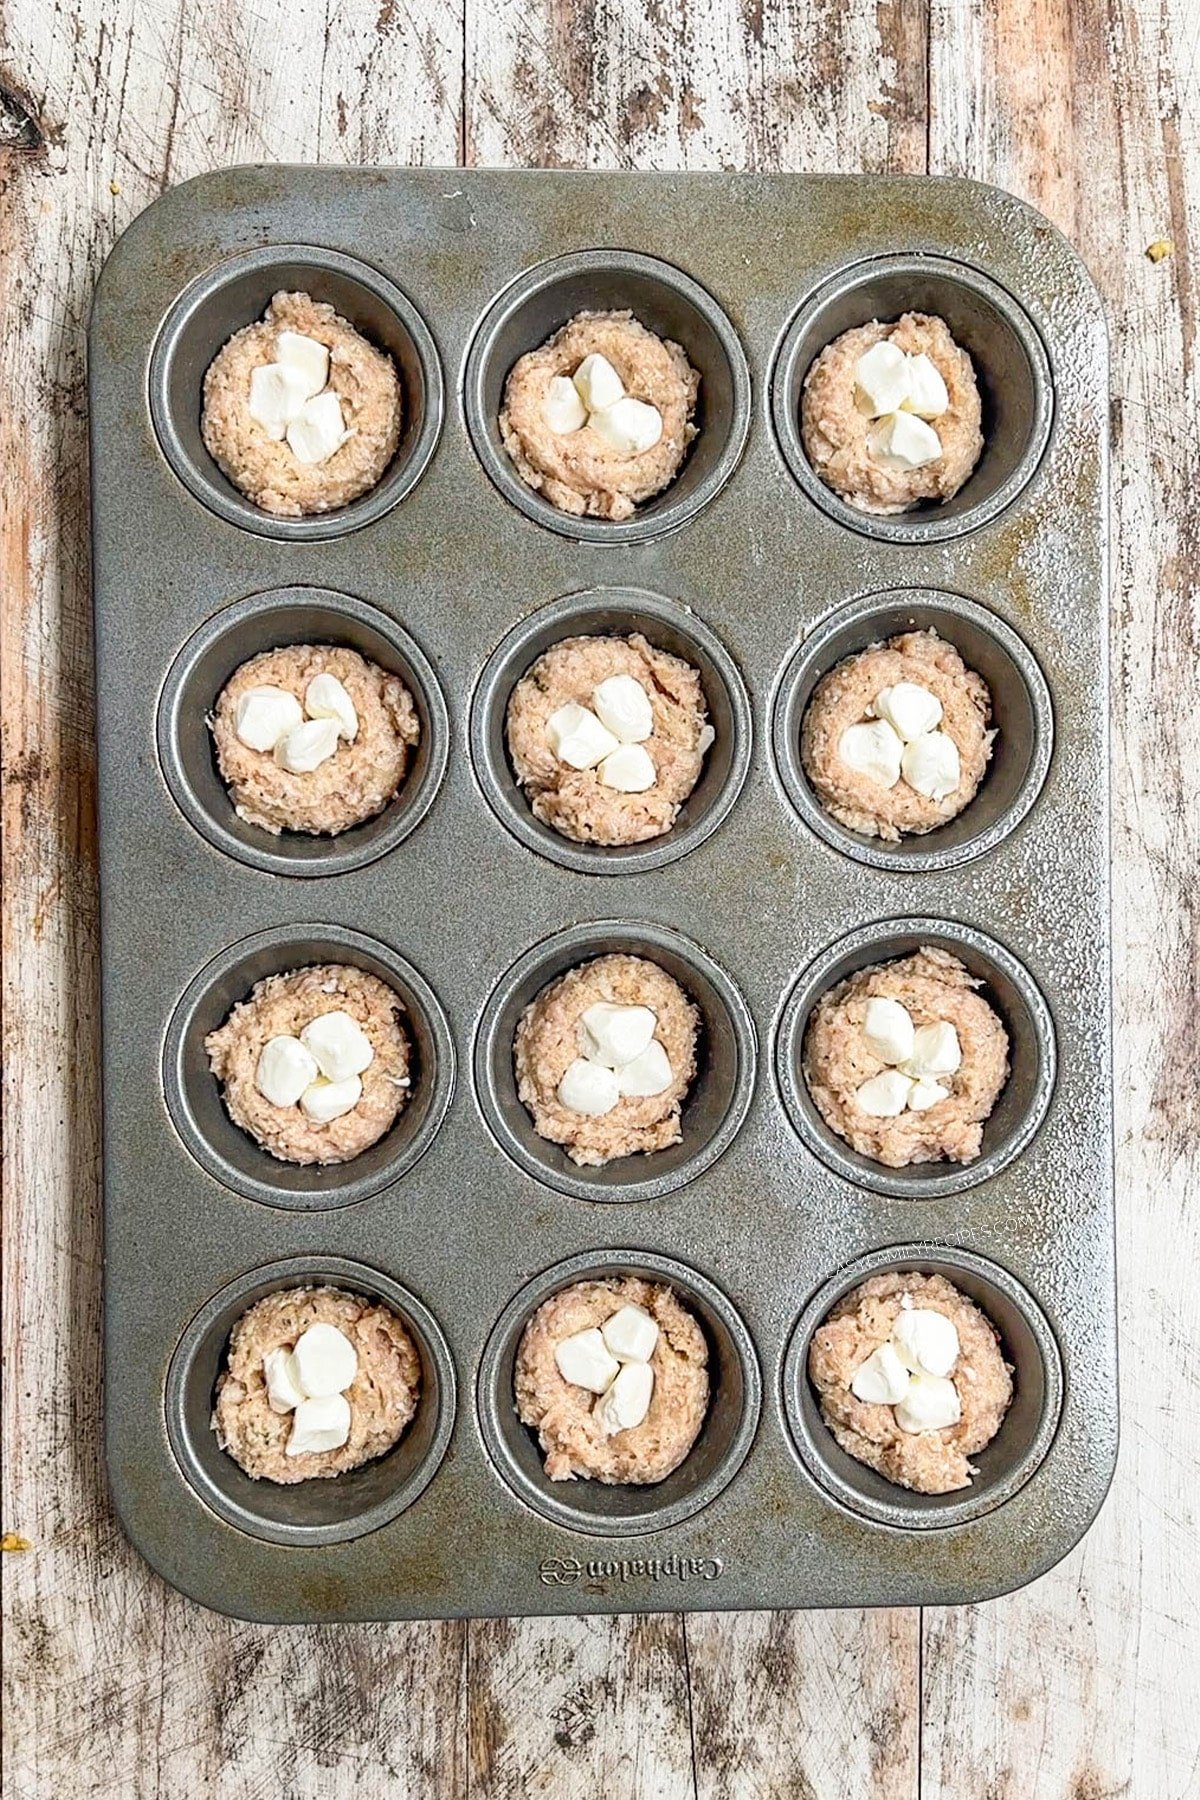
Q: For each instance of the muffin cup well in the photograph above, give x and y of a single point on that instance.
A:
(1011, 367)
(624, 1510)
(270, 621)
(666, 301)
(1010, 990)
(322, 1511)
(668, 626)
(236, 293)
(1014, 1454)
(714, 1106)
(1022, 714)
(194, 1095)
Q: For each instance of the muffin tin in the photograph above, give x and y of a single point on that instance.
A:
(457, 577)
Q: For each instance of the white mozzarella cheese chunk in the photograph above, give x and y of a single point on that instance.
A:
(577, 737)
(629, 769)
(326, 697)
(317, 1425)
(909, 709)
(927, 393)
(627, 1401)
(588, 1087)
(307, 746)
(585, 1360)
(881, 377)
(885, 1095)
(612, 1034)
(283, 1387)
(872, 749)
(264, 715)
(562, 406)
(902, 441)
(622, 703)
(277, 394)
(325, 1101)
(936, 1051)
(882, 1379)
(888, 1029)
(306, 356)
(926, 1341)
(931, 765)
(926, 1094)
(318, 429)
(326, 1361)
(631, 1334)
(338, 1045)
(930, 1404)
(597, 383)
(628, 426)
(285, 1068)
(649, 1073)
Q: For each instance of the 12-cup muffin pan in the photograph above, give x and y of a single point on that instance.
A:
(456, 576)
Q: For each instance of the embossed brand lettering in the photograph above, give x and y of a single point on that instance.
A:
(557, 1571)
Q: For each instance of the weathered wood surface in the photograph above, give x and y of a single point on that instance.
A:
(1083, 1686)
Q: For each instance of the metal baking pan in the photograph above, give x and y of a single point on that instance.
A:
(456, 575)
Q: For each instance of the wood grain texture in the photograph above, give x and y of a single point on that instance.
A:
(598, 1708)
(115, 1684)
(805, 1704)
(733, 84)
(1085, 1683)
(1076, 1688)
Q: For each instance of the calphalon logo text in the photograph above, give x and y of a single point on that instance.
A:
(562, 1571)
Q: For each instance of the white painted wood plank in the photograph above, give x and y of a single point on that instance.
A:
(819, 1705)
(776, 1709)
(617, 84)
(1086, 1684)
(579, 1708)
(114, 1684)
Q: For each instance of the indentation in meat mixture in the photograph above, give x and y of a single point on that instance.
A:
(283, 1006)
(850, 445)
(355, 780)
(859, 1083)
(338, 463)
(550, 1038)
(572, 1435)
(581, 470)
(382, 1398)
(872, 787)
(935, 1461)
(581, 803)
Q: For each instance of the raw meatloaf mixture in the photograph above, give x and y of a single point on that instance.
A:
(836, 430)
(844, 698)
(281, 1006)
(931, 1462)
(578, 472)
(561, 1413)
(548, 1040)
(933, 987)
(383, 1395)
(264, 468)
(352, 785)
(575, 802)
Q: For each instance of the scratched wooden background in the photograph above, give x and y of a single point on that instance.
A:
(1079, 1687)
